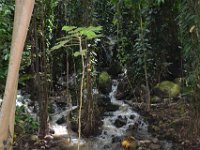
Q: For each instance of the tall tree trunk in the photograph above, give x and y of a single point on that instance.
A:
(22, 18)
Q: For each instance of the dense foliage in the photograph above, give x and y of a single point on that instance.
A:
(148, 41)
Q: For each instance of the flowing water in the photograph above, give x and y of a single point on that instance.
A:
(111, 135)
(106, 141)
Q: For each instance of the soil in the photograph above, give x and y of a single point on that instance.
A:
(172, 121)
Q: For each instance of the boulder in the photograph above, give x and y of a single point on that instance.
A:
(112, 107)
(120, 121)
(61, 120)
(105, 83)
(124, 90)
(116, 139)
(102, 100)
(167, 89)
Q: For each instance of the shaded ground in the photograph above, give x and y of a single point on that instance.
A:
(173, 122)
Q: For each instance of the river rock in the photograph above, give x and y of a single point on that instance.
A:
(166, 89)
(154, 146)
(124, 91)
(112, 107)
(155, 140)
(61, 120)
(120, 122)
(132, 117)
(102, 100)
(116, 139)
(106, 147)
(61, 105)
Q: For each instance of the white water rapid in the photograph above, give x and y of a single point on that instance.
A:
(112, 132)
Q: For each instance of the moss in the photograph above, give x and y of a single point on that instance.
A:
(168, 88)
(104, 78)
(105, 82)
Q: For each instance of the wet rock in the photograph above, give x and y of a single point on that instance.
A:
(31, 104)
(124, 91)
(61, 105)
(61, 120)
(116, 139)
(51, 131)
(112, 107)
(106, 147)
(155, 140)
(154, 146)
(132, 130)
(102, 100)
(120, 122)
(132, 117)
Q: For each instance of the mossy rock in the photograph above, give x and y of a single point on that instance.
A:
(105, 82)
(167, 89)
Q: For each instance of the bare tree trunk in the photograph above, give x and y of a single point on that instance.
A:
(23, 13)
(81, 92)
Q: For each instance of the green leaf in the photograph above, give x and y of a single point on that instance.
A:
(95, 29)
(89, 34)
(59, 45)
(83, 52)
(68, 28)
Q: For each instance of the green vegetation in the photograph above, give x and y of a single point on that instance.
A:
(24, 122)
(73, 43)
(104, 82)
(168, 88)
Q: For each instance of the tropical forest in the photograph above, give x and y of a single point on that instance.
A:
(100, 74)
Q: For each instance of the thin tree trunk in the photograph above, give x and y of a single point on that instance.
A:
(81, 92)
(23, 13)
(147, 91)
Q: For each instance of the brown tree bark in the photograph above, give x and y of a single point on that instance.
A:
(23, 11)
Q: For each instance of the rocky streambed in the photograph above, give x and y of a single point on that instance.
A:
(120, 123)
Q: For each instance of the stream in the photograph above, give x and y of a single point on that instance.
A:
(111, 134)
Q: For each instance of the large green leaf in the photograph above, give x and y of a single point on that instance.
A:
(59, 45)
(68, 28)
(83, 52)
